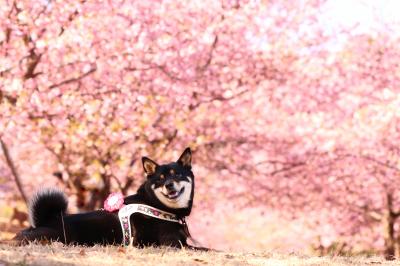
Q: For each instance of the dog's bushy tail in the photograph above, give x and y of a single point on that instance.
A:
(47, 205)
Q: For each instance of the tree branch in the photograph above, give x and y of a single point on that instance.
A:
(13, 169)
(71, 80)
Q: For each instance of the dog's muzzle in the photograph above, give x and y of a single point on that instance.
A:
(172, 192)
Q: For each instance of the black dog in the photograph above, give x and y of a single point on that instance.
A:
(169, 187)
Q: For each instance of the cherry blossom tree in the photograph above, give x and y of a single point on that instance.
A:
(100, 84)
(341, 157)
(280, 113)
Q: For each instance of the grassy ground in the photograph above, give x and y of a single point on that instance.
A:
(57, 254)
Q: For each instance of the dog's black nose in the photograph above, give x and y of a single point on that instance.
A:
(169, 184)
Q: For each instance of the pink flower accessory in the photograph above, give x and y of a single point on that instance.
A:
(114, 202)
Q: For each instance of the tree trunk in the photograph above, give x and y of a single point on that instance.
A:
(98, 196)
(388, 227)
(13, 169)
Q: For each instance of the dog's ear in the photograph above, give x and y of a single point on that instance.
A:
(186, 158)
(149, 166)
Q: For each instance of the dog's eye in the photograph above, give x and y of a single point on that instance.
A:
(172, 172)
(162, 176)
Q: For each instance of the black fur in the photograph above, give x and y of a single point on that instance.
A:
(47, 205)
(102, 227)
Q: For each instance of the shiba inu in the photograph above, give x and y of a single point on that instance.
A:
(160, 206)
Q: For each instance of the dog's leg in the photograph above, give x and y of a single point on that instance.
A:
(42, 234)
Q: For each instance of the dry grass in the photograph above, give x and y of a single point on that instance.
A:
(57, 254)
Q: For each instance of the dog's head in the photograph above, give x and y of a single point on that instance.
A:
(171, 185)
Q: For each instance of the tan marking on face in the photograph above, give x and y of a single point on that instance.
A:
(182, 201)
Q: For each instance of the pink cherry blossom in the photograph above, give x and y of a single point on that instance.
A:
(280, 112)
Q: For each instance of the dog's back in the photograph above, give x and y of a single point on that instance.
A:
(50, 222)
